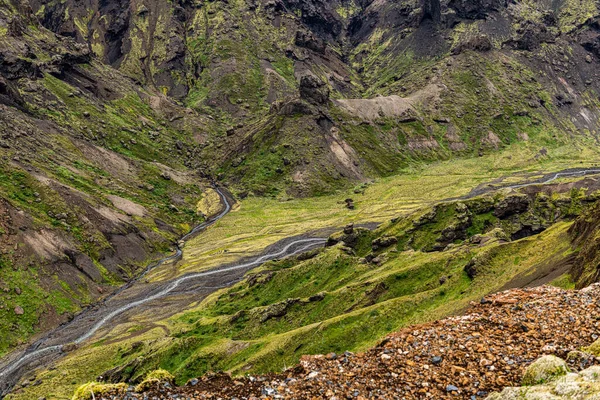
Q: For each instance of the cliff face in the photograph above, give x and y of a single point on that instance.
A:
(459, 78)
(585, 233)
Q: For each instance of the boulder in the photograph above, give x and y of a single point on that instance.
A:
(349, 229)
(593, 349)
(383, 242)
(313, 89)
(480, 43)
(154, 378)
(545, 369)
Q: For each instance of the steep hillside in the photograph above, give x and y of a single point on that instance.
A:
(421, 266)
(93, 176)
(368, 283)
(458, 79)
(495, 344)
(587, 239)
(433, 130)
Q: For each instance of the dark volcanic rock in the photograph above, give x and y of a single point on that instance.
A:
(313, 89)
(477, 43)
(476, 9)
(318, 15)
(510, 205)
(309, 41)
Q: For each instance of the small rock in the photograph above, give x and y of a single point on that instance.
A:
(451, 388)
(349, 229)
(19, 310)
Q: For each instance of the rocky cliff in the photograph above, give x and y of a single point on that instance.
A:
(364, 88)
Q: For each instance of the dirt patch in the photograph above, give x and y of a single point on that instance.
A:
(127, 206)
(107, 160)
(112, 215)
(454, 141)
(180, 177)
(403, 108)
(422, 144)
(491, 140)
(379, 107)
(299, 176)
(46, 244)
(343, 152)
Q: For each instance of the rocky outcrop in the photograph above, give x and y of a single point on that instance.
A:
(545, 369)
(511, 205)
(585, 235)
(313, 90)
(557, 384)
(319, 15)
(476, 43)
(476, 9)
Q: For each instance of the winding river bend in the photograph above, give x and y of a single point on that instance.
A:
(39, 352)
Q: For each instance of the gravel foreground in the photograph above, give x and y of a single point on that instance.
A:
(464, 357)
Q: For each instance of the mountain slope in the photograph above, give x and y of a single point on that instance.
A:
(471, 77)
(118, 116)
(466, 357)
(94, 182)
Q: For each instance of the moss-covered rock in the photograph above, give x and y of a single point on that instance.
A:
(92, 390)
(584, 385)
(545, 369)
(155, 378)
(593, 349)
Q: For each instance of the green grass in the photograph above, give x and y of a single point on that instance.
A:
(257, 222)
(360, 302)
